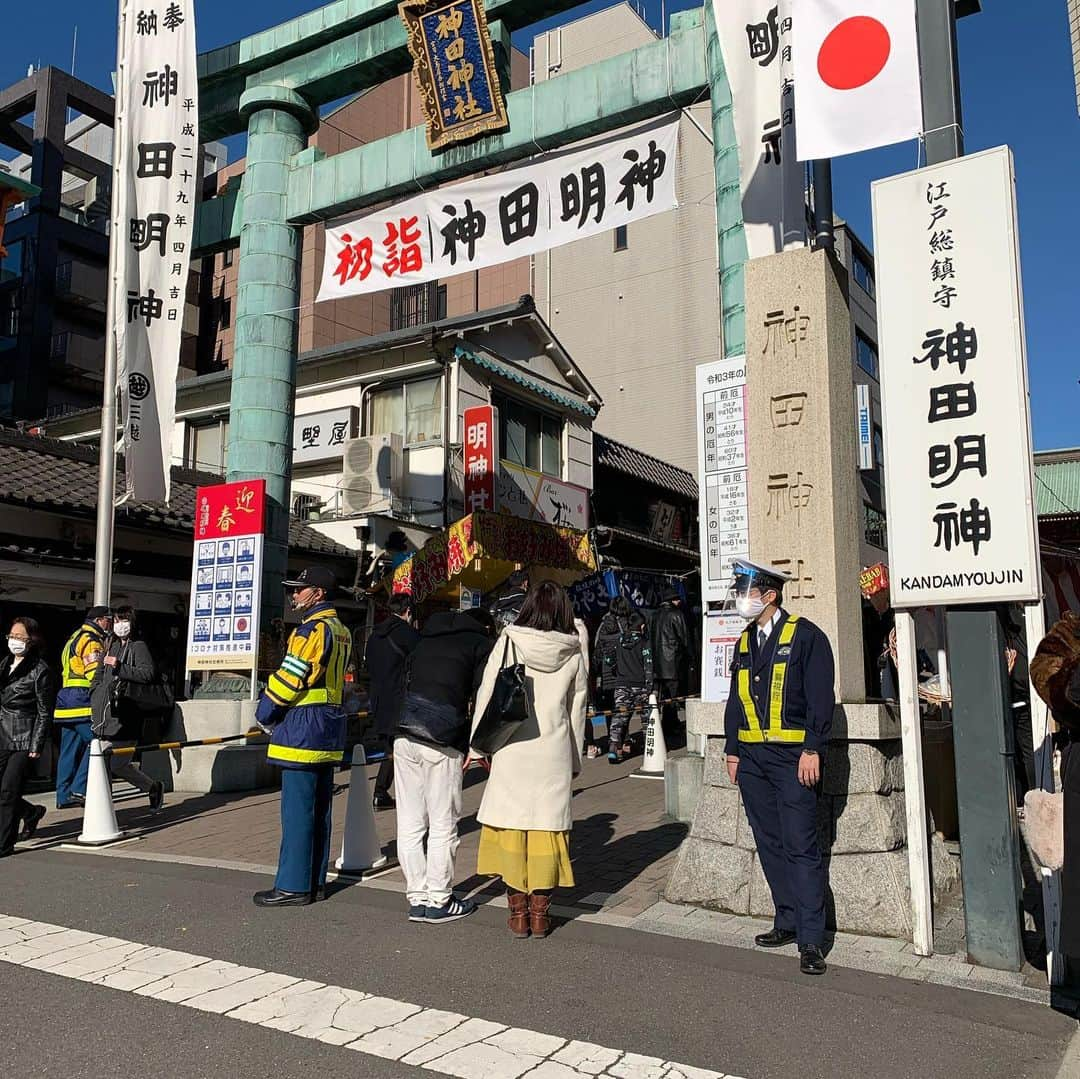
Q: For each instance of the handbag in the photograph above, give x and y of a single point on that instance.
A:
(1043, 827)
(507, 709)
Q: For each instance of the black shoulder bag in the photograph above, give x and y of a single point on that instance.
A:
(507, 709)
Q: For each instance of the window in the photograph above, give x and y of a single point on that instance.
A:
(864, 276)
(415, 305)
(530, 438)
(621, 240)
(879, 452)
(224, 319)
(412, 409)
(875, 531)
(60, 345)
(11, 263)
(227, 257)
(866, 353)
(307, 507)
(207, 446)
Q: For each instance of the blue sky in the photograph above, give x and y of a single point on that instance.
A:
(1016, 73)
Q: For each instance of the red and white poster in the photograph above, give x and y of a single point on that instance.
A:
(856, 76)
(226, 576)
(480, 441)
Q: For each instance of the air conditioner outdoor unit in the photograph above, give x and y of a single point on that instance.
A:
(371, 474)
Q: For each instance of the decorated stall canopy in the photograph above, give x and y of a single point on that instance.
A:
(480, 551)
(493, 219)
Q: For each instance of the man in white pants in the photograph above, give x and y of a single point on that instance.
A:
(442, 676)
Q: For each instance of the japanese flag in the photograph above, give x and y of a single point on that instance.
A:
(856, 75)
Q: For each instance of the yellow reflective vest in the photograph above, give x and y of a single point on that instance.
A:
(79, 662)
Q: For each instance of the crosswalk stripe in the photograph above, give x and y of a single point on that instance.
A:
(444, 1042)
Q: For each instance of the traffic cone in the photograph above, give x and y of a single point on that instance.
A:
(652, 766)
(360, 850)
(99, 817)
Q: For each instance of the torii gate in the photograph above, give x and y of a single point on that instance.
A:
(272, 85)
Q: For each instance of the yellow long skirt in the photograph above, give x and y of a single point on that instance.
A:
(526, 861)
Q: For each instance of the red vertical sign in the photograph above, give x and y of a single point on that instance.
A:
(481, 433)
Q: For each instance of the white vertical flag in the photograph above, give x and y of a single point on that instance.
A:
(756, 43)
(857, 69)
(158, 159)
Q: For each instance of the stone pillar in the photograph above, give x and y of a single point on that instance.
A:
(268, 294)
(804, 516)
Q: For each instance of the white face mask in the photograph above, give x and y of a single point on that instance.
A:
(749, 606)
(16, 646)
(122, 629)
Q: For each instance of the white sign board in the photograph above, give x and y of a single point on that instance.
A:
(720, 638)
(958, 465)
(521, 492)
(496, 218)
(722, 477)
(157, 170)
(864, 425)
(226, 585)
(321, 436)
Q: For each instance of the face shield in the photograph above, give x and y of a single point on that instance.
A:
(746, 592)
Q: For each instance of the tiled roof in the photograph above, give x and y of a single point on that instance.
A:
(617, 455)
(49, 473)
(512, 374)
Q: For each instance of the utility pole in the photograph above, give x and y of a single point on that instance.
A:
(982, 735)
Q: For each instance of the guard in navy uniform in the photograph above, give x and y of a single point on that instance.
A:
(778, 720)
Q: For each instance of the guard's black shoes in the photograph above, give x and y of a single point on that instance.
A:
(30, 822)
(383, 801)
(775, 938)
(811, 961)
(75, 801)
(275, 898)
(319, 894)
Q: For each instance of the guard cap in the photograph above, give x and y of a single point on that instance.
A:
(746, 575)
(314, 577)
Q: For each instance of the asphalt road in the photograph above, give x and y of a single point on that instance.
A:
(728, 1010)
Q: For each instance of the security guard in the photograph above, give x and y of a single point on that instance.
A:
(778, 720)
(79, 662)
(301, 711)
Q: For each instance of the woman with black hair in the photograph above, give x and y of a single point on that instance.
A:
(27, 696)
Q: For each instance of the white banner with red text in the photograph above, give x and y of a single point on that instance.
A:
(468, 226)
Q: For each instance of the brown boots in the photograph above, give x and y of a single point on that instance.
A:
(539, 922)
(519, 914)
(529, 913)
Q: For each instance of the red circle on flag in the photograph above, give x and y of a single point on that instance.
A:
(853, 53)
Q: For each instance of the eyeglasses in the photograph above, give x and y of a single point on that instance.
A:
(16, 637)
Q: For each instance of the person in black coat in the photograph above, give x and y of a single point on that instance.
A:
(506, 608)
(623, 655)
(27, 696)
(391, 643)
(671, 655)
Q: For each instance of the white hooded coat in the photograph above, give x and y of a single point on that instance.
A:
(530, 783)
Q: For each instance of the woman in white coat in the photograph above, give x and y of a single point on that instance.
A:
(526, 813)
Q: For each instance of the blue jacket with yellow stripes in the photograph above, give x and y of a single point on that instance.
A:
(79, 662)
(302, 699)
(782, 694)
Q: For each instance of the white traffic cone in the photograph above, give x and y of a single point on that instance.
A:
(652, 766)
(360, 850)
(99, 817)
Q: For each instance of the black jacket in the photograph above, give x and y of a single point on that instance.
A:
(448, 663)
(134, 664)
(505, 611)
(389, 646)
(27, 698)
(808, 693)
(671, 644)
(623, 653)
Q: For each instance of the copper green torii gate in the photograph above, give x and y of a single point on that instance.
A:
(273, 83)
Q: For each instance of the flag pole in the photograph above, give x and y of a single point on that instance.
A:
(106, 513)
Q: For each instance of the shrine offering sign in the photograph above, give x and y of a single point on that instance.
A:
(722, 428)
(454, 68)
(508, 215)
(226, 576)
(481, 435)
(958, 466)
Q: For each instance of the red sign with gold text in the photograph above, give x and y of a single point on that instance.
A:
(481, 433)
(874, 579)
(230, 509)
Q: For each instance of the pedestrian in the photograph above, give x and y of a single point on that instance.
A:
(301, 711)
(671, 657)
(388, 649)
(27, 697)
(126, 688)
(1016, 662)
(506, 609)
(526, 812)
(624, 658)
(777, 724)
(444, 672)
(79, 662)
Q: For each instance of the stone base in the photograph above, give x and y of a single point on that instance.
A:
(682, 786)
(206, 769)
(862, 830)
